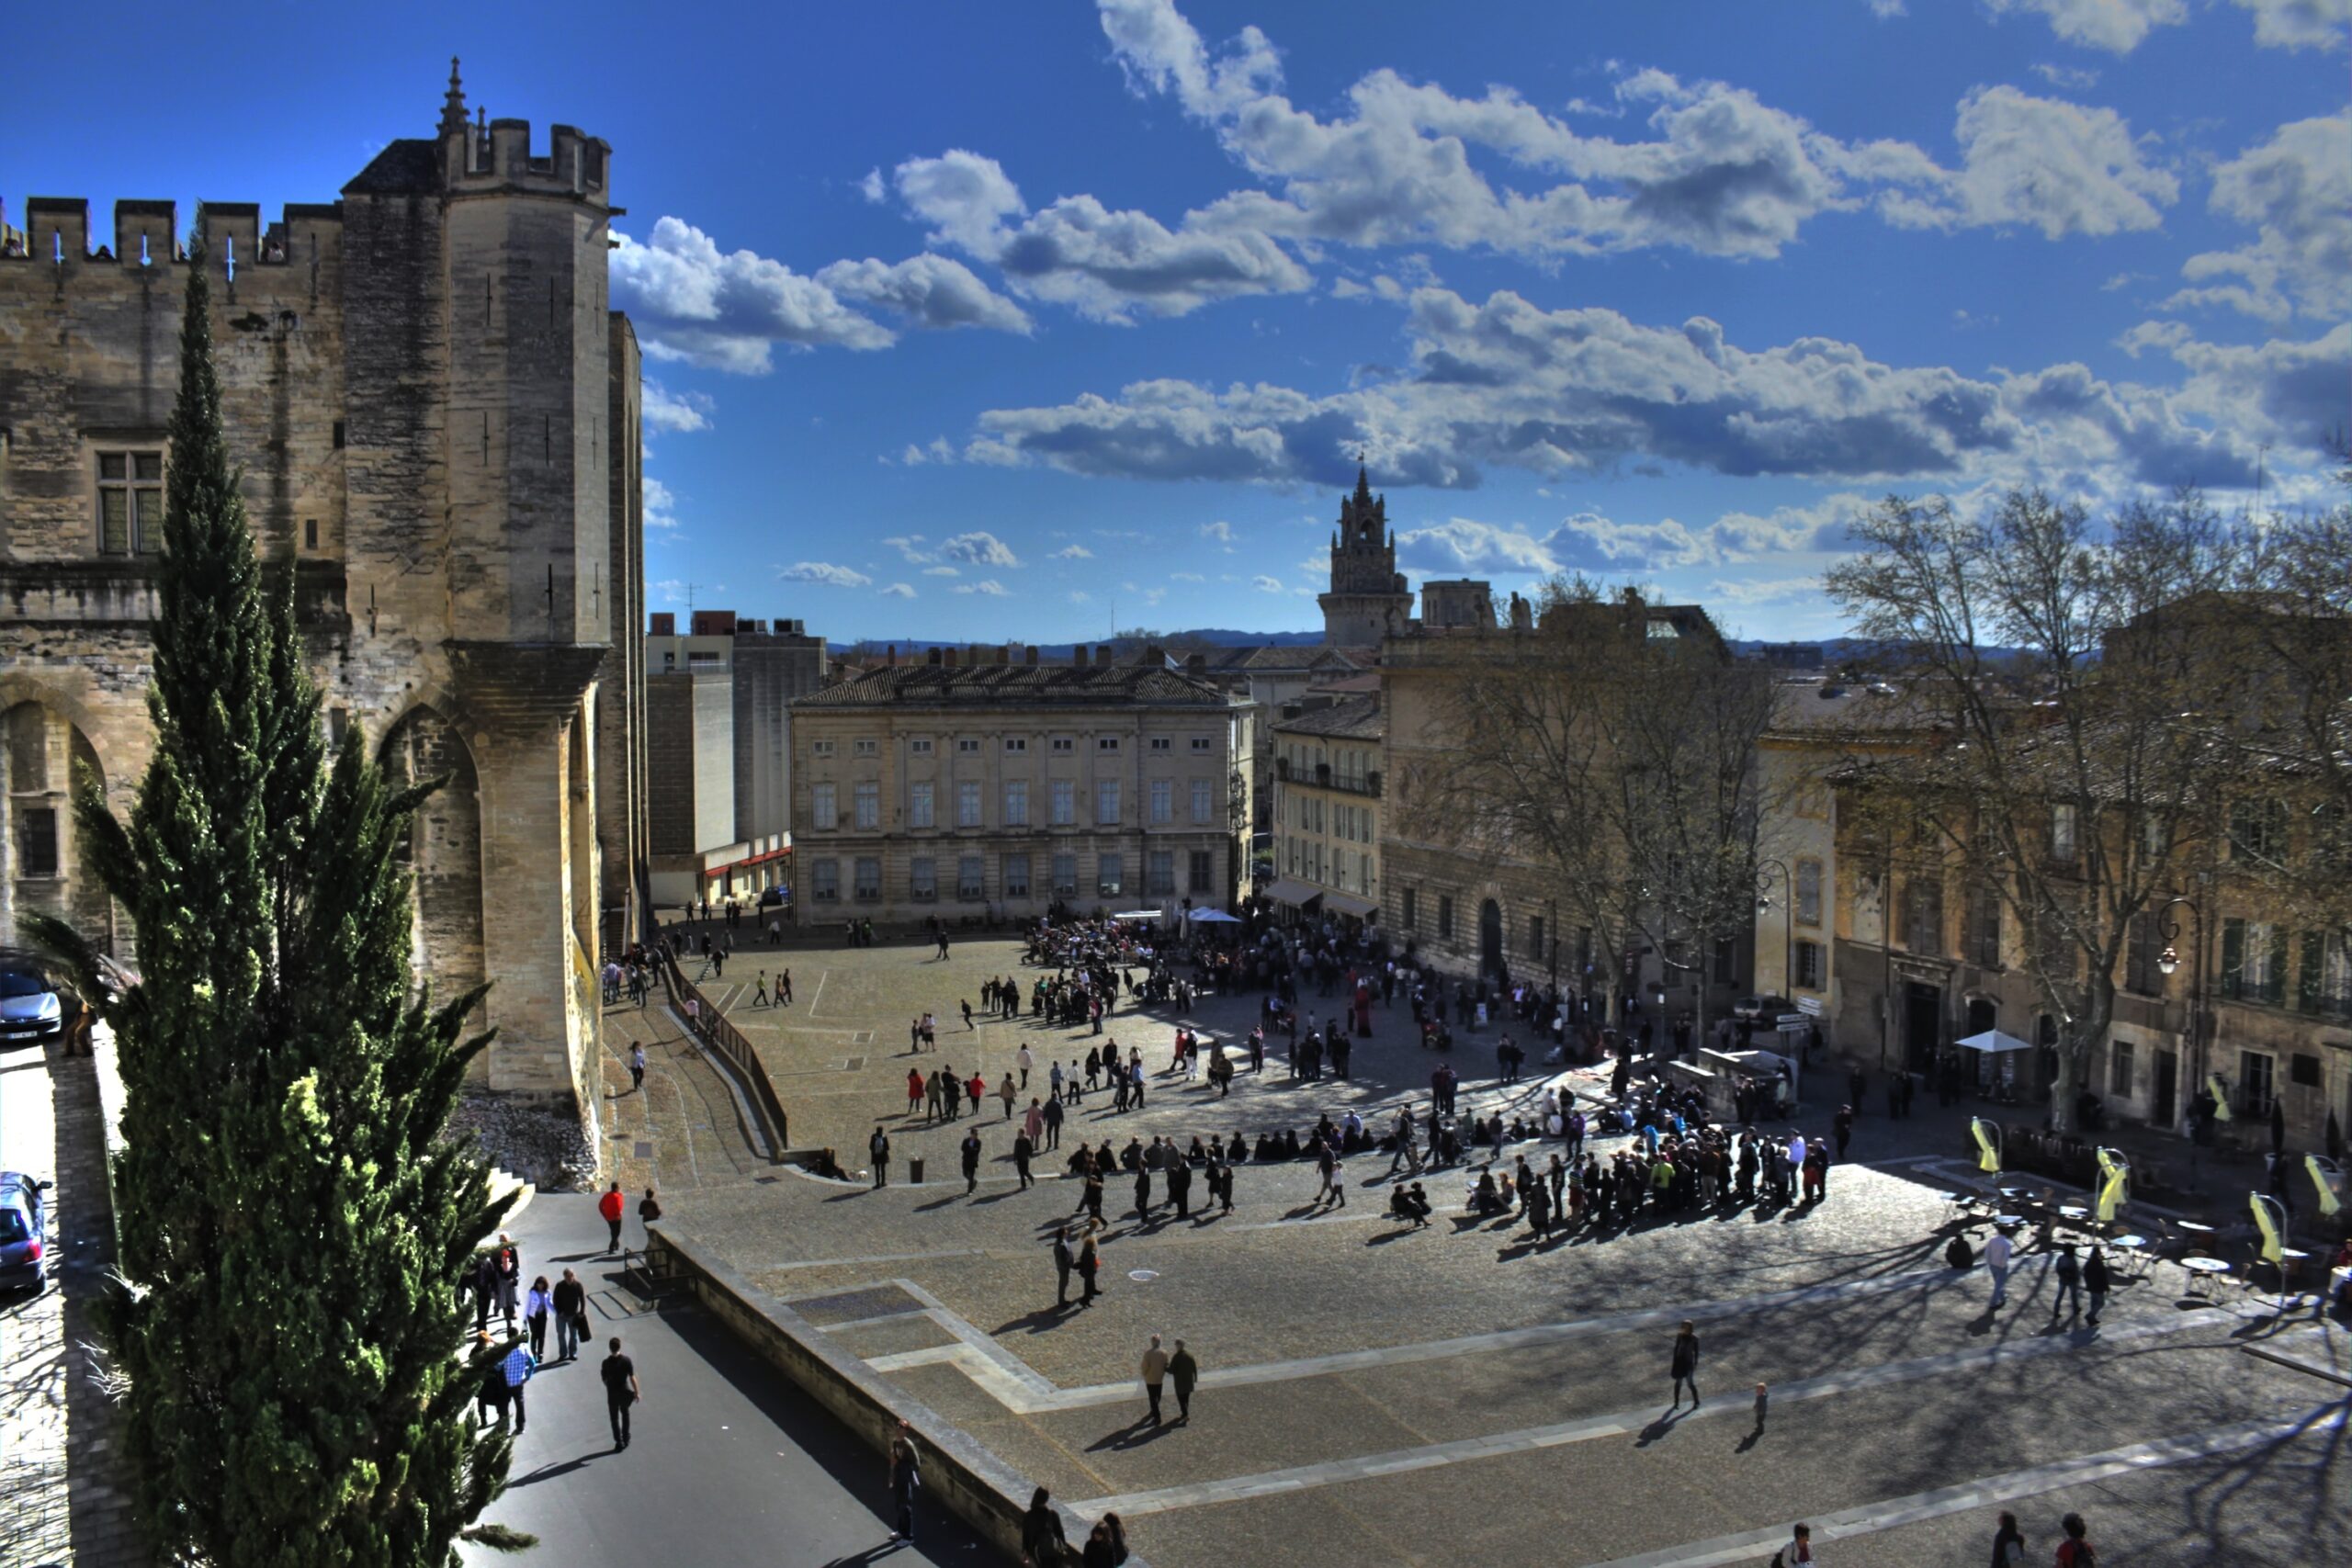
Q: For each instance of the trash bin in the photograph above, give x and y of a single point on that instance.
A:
(914, 1170)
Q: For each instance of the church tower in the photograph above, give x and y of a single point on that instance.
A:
(1368, 599)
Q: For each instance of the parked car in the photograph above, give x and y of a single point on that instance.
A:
(1765, 1010)
(31, 1009)
(773, 897)
(24, 1231)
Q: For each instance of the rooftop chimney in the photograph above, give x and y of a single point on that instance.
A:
(934, 659)
(1102, 656)
(947, 657)
(665, 624)
(1029, 654)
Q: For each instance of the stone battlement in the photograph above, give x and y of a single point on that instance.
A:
(56, 231)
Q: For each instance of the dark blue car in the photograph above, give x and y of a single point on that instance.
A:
(24, 1231)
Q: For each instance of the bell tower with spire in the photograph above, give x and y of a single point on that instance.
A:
(1368, 599)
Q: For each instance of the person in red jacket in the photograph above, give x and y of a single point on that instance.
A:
(612, 1205)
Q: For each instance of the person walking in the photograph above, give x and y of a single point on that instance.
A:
(637, 1069)
(1053, 1124)
(1183, 1374)
(1043, 1543)
(906, 1465)
(1064, 1261)
(516, 1367)
(2008, 1543)
(619, 1375)
(2097, 1281)
(1089, 1264)
(878, 1149)
(1008, 1094)
(490, 1393)
(1685, 1364)
(915, 1087)
(1024, 1061)
(510, 1278)
(2070, 1284)
(613, 1206)
(570, 1300)
(1798, 1554)
(1023, 1150)
(1155, 1373)
(649, 1210)
(2075, 1550)
(970, 1149)
(1997, 1253)
(535, 1315)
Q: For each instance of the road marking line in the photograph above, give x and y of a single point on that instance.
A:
(1987, 1490)
(1622, 1424)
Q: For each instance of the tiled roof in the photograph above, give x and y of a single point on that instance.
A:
(411, 165)
(1357, 718)
(1016, 684)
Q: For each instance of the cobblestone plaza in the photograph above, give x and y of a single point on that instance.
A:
(1373, 1394)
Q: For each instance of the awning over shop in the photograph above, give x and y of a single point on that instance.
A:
(1994, 1040)
(1347, 904)
(1213, 918)
(1296, 894)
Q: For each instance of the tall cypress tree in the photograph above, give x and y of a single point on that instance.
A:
(292, 1221)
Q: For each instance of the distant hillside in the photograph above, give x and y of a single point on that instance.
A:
(1837, 653)
(1206, 637)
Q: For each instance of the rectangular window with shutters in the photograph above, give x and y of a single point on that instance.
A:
(1160, 872)
(968, 883)
(2062, 834)
(1808, 892)
(1407, 906)
(1923, 916)
(2256, 1083)
(1984, 936)
(1109, 875)
(131, 503)
(1159, 743)
(1163, 800)
(2254, 961)
(1200, 742)
(2302, 1070)
(825, 880)
(1204, 801)
(1016, 803)
(2323, 981)
(868, 872)
(968, 805)
(1444, 917)
(1107, 802)
(37, 842)
(920, 746)
(820, 806)
(1727, 961)
(1535, 937)
(923, 879)
(1016, 876)
(1809, 965)
(1016, 743)
(2119, 1068)
(919, 810)
(1202, 873)
(1065, 874)
(2143, 944)
(856, 748)
(1064, 803)
(1062, 745)
(865, 804)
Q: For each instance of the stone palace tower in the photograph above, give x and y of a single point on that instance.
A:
(1368, 600)
(437, 415)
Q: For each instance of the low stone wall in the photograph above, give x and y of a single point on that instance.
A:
(958, 1473)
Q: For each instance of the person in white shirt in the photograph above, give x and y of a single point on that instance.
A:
(1998, 1253)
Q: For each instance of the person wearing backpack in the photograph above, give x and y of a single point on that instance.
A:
(1798, 1554)
(2070, 1284)
(2008, 1543)
(2074, 1551)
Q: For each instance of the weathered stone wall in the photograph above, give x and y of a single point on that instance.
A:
(436, 414)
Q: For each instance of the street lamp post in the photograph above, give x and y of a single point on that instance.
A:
(2169, 960)
(1764, 880)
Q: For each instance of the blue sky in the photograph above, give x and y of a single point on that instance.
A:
(1011, 320)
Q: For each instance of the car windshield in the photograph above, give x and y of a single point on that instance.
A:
(15, 983)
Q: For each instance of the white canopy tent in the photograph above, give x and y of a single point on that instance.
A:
(1137, 915)
(1993, 1040)
(1213, 918)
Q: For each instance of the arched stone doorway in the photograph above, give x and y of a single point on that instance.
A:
(43, 756)
(1490, 939)
(444, 850)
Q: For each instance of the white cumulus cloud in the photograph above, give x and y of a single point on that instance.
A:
(899, 590)
(1072, 552)
(988, 586)
(823, 573)
(978, 547)
(666, 410)
(2295, 191)
(725, 310)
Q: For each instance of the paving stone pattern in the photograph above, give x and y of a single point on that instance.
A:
(1469, 1393)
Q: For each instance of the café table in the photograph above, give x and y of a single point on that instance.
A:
(2203, 1272)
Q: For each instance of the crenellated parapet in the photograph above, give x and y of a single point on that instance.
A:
(56, 235)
